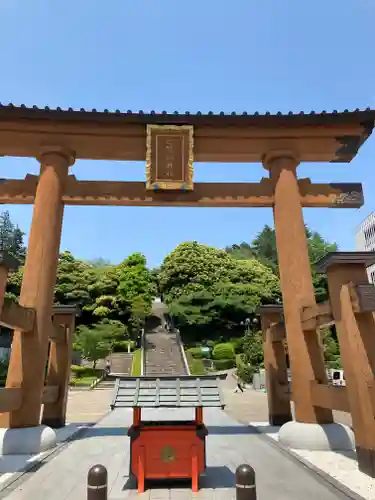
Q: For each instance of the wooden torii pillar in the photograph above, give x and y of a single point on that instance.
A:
(29, 351)
(59, 365)
(279, 410)
(352, 301)
(305, 353)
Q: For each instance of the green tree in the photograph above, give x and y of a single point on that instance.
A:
(74, 278)
(136, 289)
(264, 249)
(253, 349)
(209, 293)
(93, 343)
(243, 251)
(11, 237)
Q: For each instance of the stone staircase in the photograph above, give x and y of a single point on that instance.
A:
(121, 362)
(162, 349)
(163, 354)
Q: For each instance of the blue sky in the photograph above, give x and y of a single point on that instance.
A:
(243, 55)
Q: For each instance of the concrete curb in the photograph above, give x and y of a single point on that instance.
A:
(97, 381)
(332, 482)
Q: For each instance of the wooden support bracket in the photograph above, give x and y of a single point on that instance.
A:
(316, 316)
(10, 399)
(50, 393)
(17, 317)
(58, 334)
(326, 396)
(362, 296)
(277, 331)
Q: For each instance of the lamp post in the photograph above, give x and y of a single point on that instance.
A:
(246, 324)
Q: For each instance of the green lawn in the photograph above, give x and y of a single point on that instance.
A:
(136, 363)
(196, 366)
(83, 381)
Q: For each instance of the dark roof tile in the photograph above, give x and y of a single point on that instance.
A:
(266, 118)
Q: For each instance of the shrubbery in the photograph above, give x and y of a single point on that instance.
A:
(197, 353)
(244, 371)
(85, 371)
(224, 364)
(223, 351)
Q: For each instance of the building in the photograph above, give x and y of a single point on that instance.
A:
(365, 241)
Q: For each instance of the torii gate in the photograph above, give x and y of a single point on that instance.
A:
(170, 143)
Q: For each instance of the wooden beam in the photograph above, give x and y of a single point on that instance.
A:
(208, 194)
(10, 399)
(316, 316)
(333, 398)
(17, 317)
(50, 394)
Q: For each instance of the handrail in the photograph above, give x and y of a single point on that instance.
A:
(143, 351)
(182, 350)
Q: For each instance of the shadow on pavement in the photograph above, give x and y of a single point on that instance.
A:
(227, 430)
(216, 477)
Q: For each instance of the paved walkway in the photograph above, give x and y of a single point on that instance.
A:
(89, 406)
(229, 444)
(252, 406)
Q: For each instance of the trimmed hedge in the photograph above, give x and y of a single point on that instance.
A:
(223, 351)
(85, 371)
(224, 364)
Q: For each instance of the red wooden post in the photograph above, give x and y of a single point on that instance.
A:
(136, 416)
(141, 469)
(199, 415)
(194, 469)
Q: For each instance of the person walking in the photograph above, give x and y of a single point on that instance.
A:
(239, 386)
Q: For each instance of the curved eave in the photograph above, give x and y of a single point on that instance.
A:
(104, 135)
(198, 119)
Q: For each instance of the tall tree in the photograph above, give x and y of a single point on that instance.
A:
(136, 289)
(265, 250)
(11, 237)
(209, 293)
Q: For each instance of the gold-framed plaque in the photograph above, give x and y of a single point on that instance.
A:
(169, 157)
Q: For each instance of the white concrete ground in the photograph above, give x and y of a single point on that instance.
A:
(228, 445)
(12, 465)
(341, 466)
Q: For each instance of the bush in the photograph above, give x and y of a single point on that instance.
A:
(244, 371)
(122, 346)
(224, 364)
(197, 353)
(237, 344)
(85, 371)
(223, 351)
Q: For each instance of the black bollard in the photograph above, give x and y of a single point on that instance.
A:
(245, 483)
(97, 479)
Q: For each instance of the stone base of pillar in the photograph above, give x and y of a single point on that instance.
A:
(55, 423)
(366, 461)
(27, 440)
(279, 420)
(316, 437)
